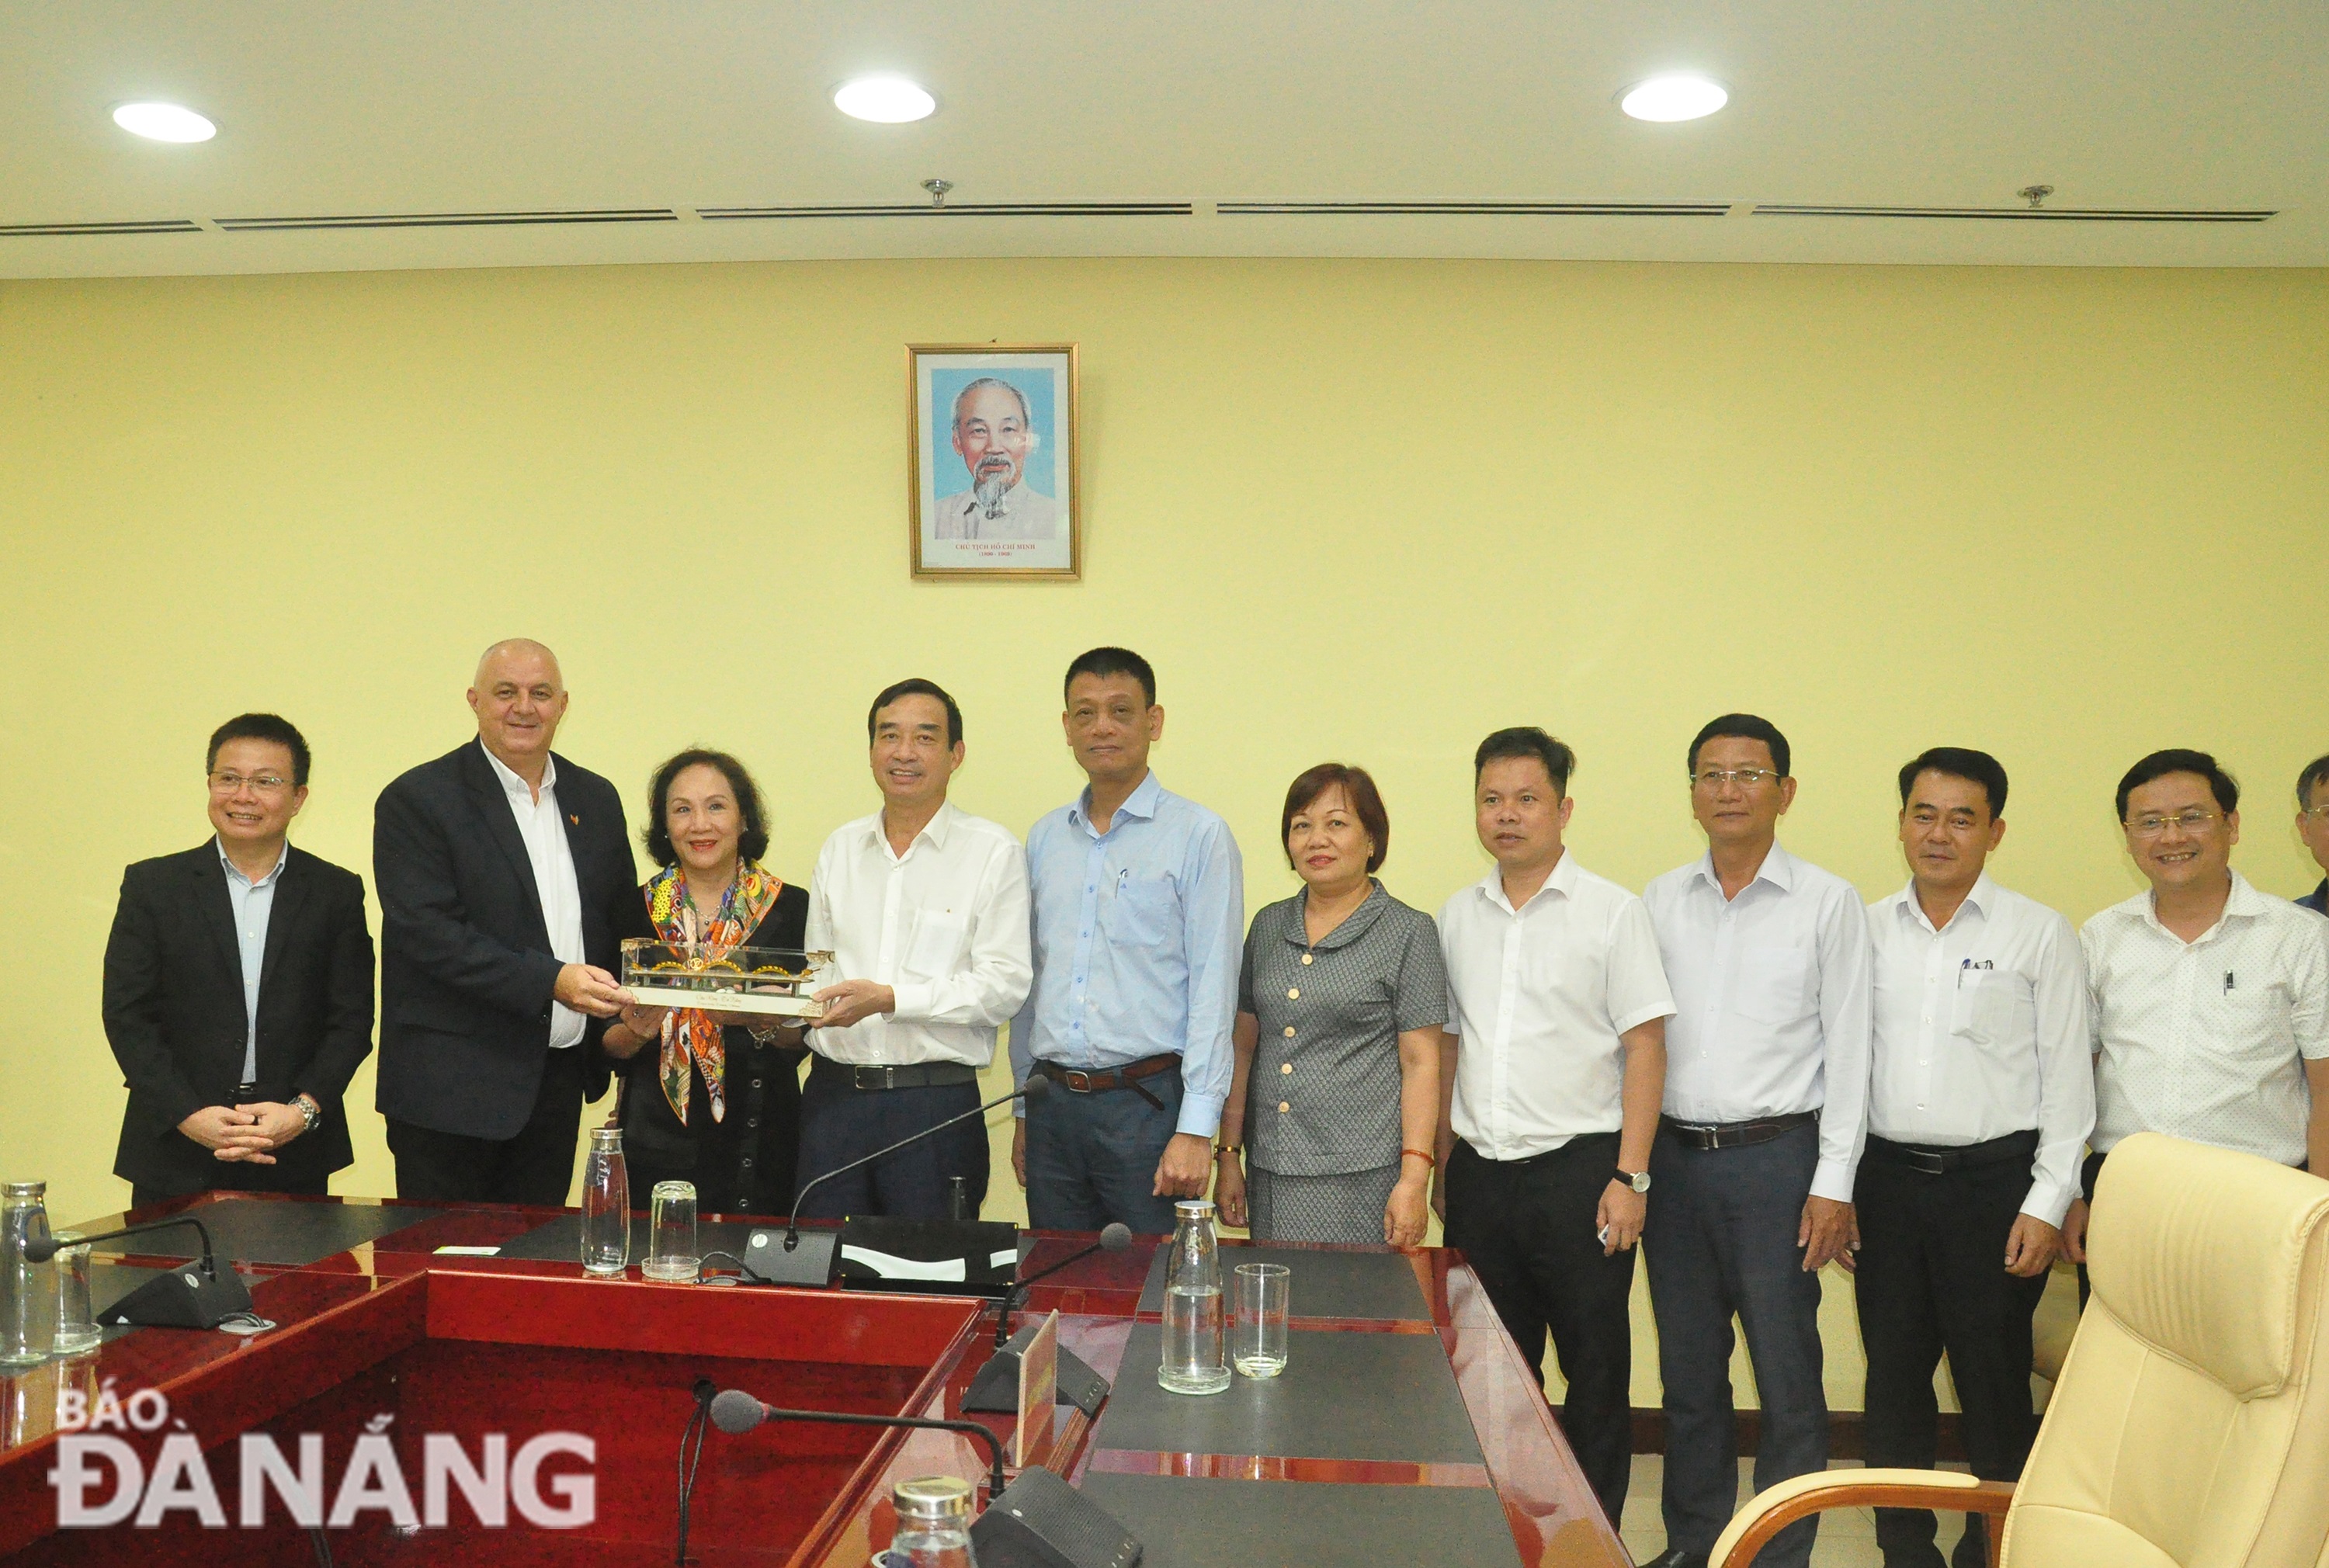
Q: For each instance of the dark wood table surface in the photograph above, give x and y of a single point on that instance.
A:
(467, 1346)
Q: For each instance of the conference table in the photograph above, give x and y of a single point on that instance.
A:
(1406, 1428)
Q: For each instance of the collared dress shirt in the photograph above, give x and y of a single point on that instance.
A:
(554, 882)
(254, 903)
(1023, 513)
(1137, 941)
(944, 925)
(2207, 1039)
(1981, 1031)
(1538, 998)
(1771, 1005)
(1322, 1095)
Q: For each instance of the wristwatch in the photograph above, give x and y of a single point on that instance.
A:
(309, 1111)
(1639, 1180)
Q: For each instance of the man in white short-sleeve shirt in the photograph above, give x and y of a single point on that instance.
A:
(2210, 1001)
(1979, 1104)
(924, 909)
(1766, 1103)
(1552, 1072)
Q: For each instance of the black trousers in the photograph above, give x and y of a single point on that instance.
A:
(1932, 1279)
(1527, 1227)
(536, 1166)
(840, 1123)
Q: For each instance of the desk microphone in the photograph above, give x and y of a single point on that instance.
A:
(1114, 1238)
(1035, 1089)
(735, 1411)
(175, 1299)
(791, 1259)
(996, 1388)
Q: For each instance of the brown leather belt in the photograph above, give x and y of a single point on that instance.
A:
(1734, 1134)
(1077, 1081)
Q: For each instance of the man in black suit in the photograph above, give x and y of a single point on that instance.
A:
(238, 990)
(500, 865)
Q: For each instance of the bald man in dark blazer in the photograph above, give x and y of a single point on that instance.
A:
(500, 867)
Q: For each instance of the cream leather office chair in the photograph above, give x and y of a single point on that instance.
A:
(2191, 1428)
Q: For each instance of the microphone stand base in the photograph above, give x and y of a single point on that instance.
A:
(182, 1298)
(996, 1388)
(809, 1264)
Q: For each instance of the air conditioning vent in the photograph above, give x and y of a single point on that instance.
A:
(963, 210)
(448, 219)
(1481, 209)
(2020, 214)
(151, 226)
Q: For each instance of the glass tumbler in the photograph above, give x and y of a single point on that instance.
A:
(1263, 1297)
(77, 1329)
(672, 1256)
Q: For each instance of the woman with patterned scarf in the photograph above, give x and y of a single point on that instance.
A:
(711, 1097)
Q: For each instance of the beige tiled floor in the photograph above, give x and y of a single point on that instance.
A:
(1847, 1536)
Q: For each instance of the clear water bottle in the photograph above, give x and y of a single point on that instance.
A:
(606, 1205)
(933, 1523)
(28, 1290)
(1196, 1360)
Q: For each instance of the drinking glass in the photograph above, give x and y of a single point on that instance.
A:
(77, 1329)
(672, 1256)
(1263, 1296)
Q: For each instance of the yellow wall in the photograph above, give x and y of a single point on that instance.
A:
(1349, 509)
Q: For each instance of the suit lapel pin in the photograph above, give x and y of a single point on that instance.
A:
(574, 819)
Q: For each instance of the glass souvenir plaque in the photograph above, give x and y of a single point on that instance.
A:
(744, 980)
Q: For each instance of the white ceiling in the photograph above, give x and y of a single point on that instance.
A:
(337, 107)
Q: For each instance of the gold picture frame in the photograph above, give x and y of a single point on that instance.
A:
(992, 475)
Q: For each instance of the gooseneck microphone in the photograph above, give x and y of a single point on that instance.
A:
(1035, 1088)
(1114, 1238)
(178, 1298)
(41, 1249)
(734, 1411)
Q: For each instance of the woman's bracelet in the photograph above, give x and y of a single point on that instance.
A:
(1228, 1148)
(1420, 1154)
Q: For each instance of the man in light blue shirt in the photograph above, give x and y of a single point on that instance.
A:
(1138, 899)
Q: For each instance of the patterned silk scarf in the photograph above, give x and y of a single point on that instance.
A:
(690, 1034)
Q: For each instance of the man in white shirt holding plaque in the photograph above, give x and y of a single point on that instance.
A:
(1766, 1103)
(1980, 1100)
(2209, 1000)
(1552, 1071)
(924, 907)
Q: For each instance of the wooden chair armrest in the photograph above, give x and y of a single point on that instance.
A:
(1774, 1510)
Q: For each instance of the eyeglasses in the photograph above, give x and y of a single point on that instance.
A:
(2189, 822)
(2319, 813)
(1746, 778)
(264, 784)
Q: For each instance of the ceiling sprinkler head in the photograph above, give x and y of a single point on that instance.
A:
(2035, 195)
(938, 189)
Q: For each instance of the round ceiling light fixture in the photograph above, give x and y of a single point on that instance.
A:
(888, 100)
(1677, 96)
(163, 122)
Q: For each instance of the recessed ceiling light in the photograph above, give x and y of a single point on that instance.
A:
(1678, 97)
(890, 100)
(163, 122)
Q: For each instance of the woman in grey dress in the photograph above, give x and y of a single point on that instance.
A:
(1327, 1134)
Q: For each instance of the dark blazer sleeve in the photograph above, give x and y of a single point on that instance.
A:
(420, 905)
(135, 998)
(348, 994)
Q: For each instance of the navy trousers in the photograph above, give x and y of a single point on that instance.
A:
(840, 1123)
(1721, 1241)
(1091, 1158)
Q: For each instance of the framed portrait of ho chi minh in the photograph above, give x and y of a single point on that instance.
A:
(994, 429)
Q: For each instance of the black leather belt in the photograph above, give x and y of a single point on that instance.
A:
(2017, 1148)
(872, 1076)
(1734, 1134)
